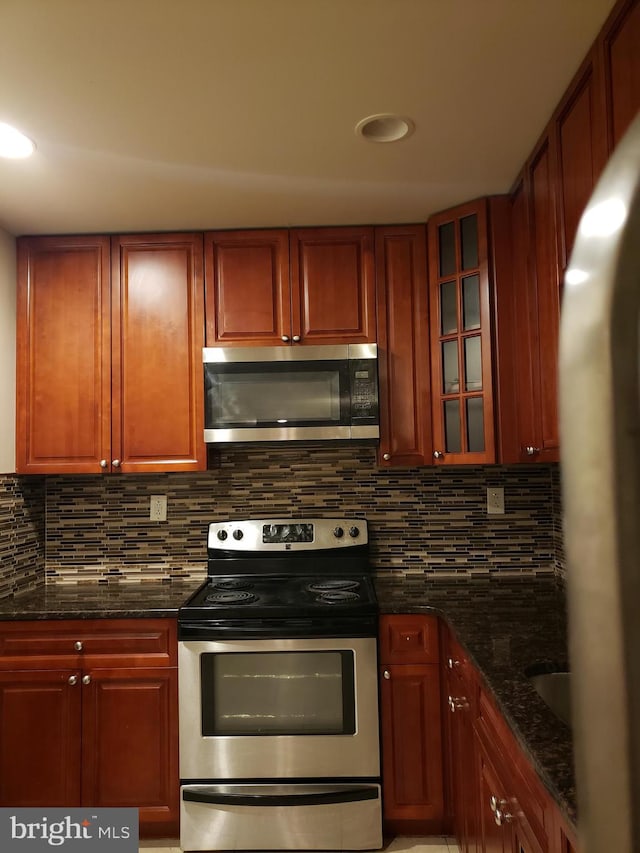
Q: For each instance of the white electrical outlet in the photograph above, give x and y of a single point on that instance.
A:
(158, 508)
(495, 501)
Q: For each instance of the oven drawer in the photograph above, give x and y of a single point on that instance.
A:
(281, 817)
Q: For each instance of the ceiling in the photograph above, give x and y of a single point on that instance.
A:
(158, 115)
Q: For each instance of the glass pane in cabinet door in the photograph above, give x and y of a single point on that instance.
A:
(450, 369)
(452, 433)
(471, 302)
(448, 308)
(447, 248)
(475, 424)
(469, 241)
(472, 364)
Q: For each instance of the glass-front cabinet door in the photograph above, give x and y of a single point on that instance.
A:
(461, 383)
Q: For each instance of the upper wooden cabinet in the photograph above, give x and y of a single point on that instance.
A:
(305, 286)
(96, 388)
(460, 326)
(403, 346)
(619, 47)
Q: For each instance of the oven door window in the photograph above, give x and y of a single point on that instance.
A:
(277, 693)
(290, 394)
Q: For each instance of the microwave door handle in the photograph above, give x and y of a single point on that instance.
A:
(266, 796)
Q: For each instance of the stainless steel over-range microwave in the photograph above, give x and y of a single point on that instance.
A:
(306, 393)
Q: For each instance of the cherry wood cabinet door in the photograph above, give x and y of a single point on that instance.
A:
(579, 125)
(493, 837)
(63, 391)
(403, 345)
(332, 285)
(130, 746)
(157, 339)
(247, 287)
(545, 278)
(40, 746)
(412, 745)
(460, 325)
(619, 44)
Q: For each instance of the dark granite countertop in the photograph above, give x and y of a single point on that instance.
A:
(506, 625)
(98, 601)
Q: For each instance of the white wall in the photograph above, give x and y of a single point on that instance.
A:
(7, 352)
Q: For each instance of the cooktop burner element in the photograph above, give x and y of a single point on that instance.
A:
(231, 597)
(327, 586)
(284, 578)
(230, 583)
(340, 596)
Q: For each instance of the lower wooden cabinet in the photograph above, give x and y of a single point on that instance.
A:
(412, 780)
(88, 716)
(496, 802)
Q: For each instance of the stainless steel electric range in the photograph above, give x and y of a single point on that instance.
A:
(279, 740)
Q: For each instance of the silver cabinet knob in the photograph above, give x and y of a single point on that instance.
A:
(531, 451)
(386, 674)
(438, 454)
(285, 338)
(116, 463)
(452, 664)
(73, 679)
(386, 456)
(296, 339)
(103, 463)
(86, 679)
(78, 645)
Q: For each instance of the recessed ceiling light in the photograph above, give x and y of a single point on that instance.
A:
(385, 127)
(14, 144)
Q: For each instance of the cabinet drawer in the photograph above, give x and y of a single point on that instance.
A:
(85, 643)
(409, 639)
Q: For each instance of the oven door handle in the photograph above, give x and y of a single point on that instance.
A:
(220, 795)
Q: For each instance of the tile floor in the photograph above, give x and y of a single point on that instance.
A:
(437, 844)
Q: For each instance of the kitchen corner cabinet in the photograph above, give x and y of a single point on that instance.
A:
(412, 780)
(460, 326)
(109, 340)
(403, 345)
(88, 716)
(302, 286)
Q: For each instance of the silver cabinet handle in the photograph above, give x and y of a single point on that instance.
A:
(386, 674)
(296, 339)
(530, 450)
(386, 456)
(438, 454)
(73, 679)
(103, 463)
(502, 817)
(452, 664)
(86, 679)
(116, 463)
(458, 703)
(285, 338)
(78, 645)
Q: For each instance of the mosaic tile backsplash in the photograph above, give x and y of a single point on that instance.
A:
(22, 533)
(421, 520)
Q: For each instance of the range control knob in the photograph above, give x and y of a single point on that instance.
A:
(338, 532)
(237, 535)
(354, 532)
(222, 535)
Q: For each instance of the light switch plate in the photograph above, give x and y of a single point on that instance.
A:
(495, 500)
